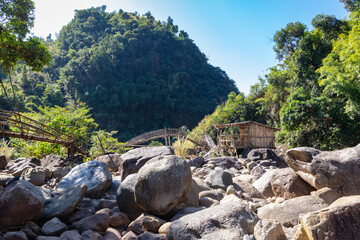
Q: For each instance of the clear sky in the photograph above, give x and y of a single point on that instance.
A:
(235, 35)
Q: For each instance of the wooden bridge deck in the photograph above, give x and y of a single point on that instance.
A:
(156, 134)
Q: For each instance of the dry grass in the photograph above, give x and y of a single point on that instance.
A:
(5, 149)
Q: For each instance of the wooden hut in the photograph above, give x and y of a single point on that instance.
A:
(242, 135)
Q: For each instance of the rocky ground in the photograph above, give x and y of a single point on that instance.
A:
(149, 193)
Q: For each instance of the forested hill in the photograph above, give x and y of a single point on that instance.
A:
(136, 73)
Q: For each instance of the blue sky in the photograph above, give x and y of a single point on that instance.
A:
(235, 35)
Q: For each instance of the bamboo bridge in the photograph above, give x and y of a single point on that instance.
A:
(16, 125)
(165, 133)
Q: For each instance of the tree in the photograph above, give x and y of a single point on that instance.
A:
(16, 19)
(351, 5)
(286, 40)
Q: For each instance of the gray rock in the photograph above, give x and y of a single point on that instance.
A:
(52, 160)
(225, 221)
(70, 235)
(246, 188)
(112, 234)
(94, 174)
(263, 184)
(18, 235)
(91, 235)
(151, 236)
(329, 195)
(269, 230)
(201, 184)
(119, 220)
(186, 211)
(134, 159)
(220, 179)
(20, 202)
(289, 211)
(341, 220)
(146, 222)
(4, 178)
(34, 175)
(287, 184)
(260, 154)
(207, 202)
(334, 169)
(98, 222)
(21, 164)
(59, 172)
(193, 198)
(54, 227)
(126, 198)
(225, 162)
(64, 206)
(107, 203)
(47, 238)
(196, 162)
(114, 186)
(162, 183)
(113, 161)
(216, 194)
(3, 162)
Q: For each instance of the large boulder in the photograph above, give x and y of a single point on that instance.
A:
(162, 183)
(134, 159)
(94, 174)
(287, 184)
(341, 220)
(334, 169)
(125, 197)
(230, 220)
(64, 206)
(20, 202)
(288, 212)
(112, 160)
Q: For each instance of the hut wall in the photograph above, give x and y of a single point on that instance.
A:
(261, 136)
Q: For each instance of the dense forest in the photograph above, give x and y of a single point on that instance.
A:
(135, 73)
(313, 94)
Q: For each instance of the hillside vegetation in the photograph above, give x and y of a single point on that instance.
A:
(313, 94)
(134, 72)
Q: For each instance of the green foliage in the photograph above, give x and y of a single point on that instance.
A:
(155, 143)
(104, 142)
(286, 40)
(16, 18)
(237, 108)
(351, 5)
(137, 74)
(74, 120)
(340, 73)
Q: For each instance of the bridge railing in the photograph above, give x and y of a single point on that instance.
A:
(166, 132)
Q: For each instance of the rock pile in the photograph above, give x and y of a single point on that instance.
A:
(153, 194)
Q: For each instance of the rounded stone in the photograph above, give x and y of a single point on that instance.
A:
(162, 183)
